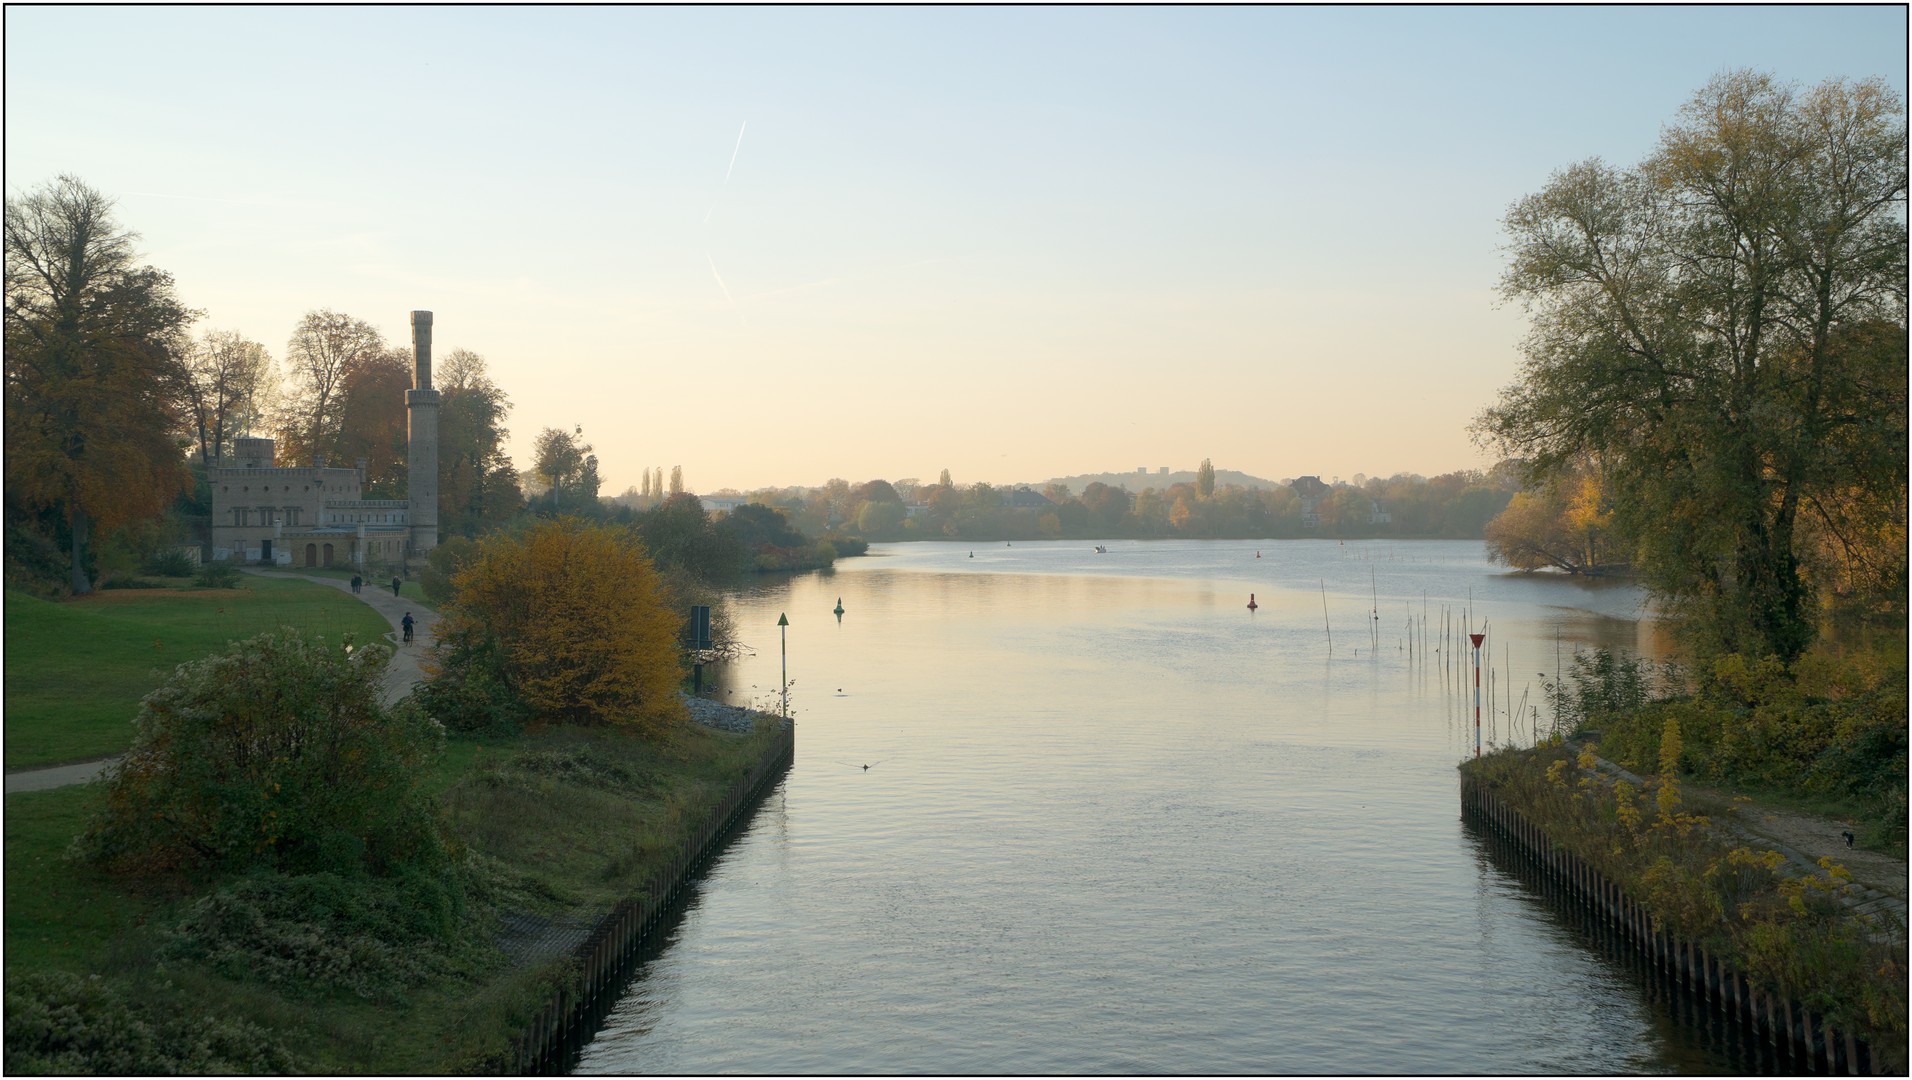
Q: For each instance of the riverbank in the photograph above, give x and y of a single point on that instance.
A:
(118, 975)
(1790, 915)
(556, 828)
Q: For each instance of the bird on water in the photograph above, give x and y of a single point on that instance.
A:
(865, 768)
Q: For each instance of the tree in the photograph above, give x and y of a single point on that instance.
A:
(478, 486)
(275, 750)
(93, 376)
(228, 377)
(372, 422)
(568, 469)
(944, 480)
(324, 347)
(1696, 324)
(677, 479)
(1205, 479)
(572, 616)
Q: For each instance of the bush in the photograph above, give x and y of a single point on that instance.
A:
(276, 751)
(169, 562)
(61, 1023)
(471, 694)
(328, 932)
(441, 564)
(570, 618)
(218, 575)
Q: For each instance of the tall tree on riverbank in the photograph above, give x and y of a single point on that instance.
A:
(1696, 322)
(94, 382)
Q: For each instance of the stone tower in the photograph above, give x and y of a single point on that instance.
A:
(421, 457)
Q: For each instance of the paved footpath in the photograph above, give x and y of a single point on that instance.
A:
(400, 676)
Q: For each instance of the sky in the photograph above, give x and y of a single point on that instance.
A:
(779, 245)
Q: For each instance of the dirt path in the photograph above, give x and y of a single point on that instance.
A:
(1809, 836)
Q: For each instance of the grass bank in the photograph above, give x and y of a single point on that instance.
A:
(76, 669)
(553, 828)
(1783, 925)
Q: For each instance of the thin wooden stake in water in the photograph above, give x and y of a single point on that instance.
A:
(1324, 617)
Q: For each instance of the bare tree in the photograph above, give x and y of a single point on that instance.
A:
(228, 378)
(325, 344)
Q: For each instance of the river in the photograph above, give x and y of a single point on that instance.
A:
(1113, 821)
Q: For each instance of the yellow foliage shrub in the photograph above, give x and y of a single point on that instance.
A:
(580, 624)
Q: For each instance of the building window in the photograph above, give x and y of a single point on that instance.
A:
(239, 517)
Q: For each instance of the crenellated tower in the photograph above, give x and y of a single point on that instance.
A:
(421, 458)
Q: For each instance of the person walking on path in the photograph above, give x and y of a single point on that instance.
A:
(394, 586)
(406, 622)
(356, 582)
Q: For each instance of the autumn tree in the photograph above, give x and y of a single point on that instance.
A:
(373, 424)
(1700, 322)
(94, 379)
(570, 618)
(1205, 479)
(1566, 524)
(324, 348)
(228, 379)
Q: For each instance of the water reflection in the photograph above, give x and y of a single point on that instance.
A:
(1123, 824)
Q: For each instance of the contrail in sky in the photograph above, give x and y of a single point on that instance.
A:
(734, 149)
(720, 280)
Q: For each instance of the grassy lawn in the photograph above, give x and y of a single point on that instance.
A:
(556, 822)
(563, 822)
(76, 670)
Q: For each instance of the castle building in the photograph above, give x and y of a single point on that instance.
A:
(317, 516)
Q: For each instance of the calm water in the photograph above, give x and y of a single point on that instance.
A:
(1115, 823)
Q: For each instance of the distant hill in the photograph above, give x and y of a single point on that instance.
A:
(1153, 478)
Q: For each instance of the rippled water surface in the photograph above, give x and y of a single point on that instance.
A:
(1115, 822)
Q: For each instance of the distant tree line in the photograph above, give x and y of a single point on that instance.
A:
(1454, 505)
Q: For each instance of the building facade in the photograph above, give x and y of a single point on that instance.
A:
(314, 515)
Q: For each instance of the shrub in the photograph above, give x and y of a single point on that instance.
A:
(569, 616)
(275, 750)
(324, 932)
(218, 575)
(471, 694)
(441, 564)
(62, 1023)
(169, 562)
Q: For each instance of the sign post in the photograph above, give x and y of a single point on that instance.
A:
(783, 646)
(1476, 639)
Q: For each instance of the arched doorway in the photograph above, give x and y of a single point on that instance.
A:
(312, 555)
(328, 554)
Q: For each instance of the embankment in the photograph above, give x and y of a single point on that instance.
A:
(1715, 955)
(604, 958)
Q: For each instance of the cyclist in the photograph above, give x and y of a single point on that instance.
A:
(406, 622)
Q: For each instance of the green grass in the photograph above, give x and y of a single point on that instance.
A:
(76, 670)
(60, 914)
(567, 822)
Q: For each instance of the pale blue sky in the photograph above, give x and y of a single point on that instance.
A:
(1011, 242)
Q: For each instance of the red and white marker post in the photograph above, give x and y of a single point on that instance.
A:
(1477, 639)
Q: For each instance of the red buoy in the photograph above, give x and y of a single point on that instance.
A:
(1251, 602)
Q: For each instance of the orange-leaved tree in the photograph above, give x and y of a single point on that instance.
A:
(571, 618)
